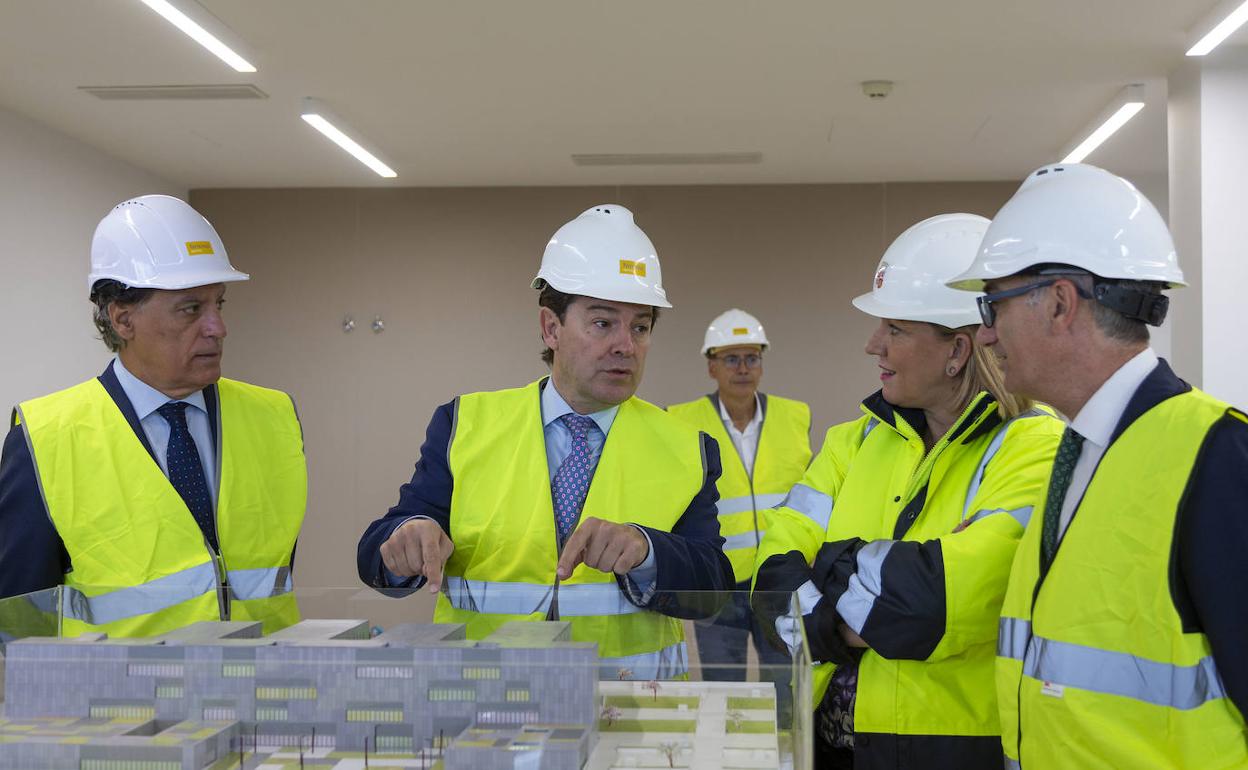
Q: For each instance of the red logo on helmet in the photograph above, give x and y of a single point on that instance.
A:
(879, 275)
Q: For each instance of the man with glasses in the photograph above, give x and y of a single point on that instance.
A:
(765, 447)
(1124, 625)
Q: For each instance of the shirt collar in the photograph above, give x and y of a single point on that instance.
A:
(1100, 415)
(755, 421)
(144, 398)
(554, 407)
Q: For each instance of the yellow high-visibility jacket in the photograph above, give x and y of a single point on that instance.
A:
(140, 564)
(782, 455)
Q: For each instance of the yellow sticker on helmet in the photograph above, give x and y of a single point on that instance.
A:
(198, 247)
(740, 331)
(632, 267)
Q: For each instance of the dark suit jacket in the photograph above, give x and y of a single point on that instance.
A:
(32, 556)
(689, 558)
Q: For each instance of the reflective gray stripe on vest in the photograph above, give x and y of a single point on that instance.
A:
(1013, 764)
(790, 626)
(1021, 515)
(152, 596)
(259, 583)
(811, 503)
(668, 663)
(575, 599)
(864, 585)
(993, 446)
(1012, 636)
(1119, 673)
(743, 540)
(870, 426)
(731, 505)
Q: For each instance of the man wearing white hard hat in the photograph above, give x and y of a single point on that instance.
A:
(764, 443)
(1125, 623)
(568, 498)
(158, 493)
(900, 536)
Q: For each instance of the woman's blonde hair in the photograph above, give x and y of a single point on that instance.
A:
(983, 372)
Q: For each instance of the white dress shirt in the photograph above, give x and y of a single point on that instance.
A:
(146, 400)
(1096, 422)
(744, 441)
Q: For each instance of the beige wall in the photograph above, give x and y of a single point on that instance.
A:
(448, 270)
(53, 191)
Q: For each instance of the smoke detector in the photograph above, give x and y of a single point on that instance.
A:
(877, 89)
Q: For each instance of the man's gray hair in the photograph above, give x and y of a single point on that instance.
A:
(104, 294)
(1112, 323)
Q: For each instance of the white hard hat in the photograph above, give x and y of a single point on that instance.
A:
(603, 254)
(158, 242)
(734, 327)
(909, 284)
(1077, 215)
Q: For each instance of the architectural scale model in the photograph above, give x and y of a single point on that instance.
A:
(326, 695)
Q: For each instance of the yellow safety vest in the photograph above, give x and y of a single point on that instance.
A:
(1094, 668)
(503, 526)
(974, 491)
(140, 564)
(781, 458)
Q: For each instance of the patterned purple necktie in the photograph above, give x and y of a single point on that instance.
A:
(571, 482)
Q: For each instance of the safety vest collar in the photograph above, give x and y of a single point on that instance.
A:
(977, 418)
(1160, 384)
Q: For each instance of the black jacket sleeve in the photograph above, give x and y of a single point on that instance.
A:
(691, 557)
(427, 494)
(32, 556)
(1212, 551)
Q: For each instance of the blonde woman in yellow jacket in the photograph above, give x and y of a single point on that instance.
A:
(900, 536)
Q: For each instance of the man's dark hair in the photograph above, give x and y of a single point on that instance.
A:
(558, 302)
(108, 292)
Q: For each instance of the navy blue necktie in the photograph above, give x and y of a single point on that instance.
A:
(186, 472)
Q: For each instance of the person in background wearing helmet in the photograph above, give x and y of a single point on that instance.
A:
(568, 498)
(158, 493)
(765, 448)
(1126, 619)
(899, 538)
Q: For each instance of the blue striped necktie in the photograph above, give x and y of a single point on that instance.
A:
(186, 472)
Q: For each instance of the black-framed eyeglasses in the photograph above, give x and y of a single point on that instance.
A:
(988, 313)
(732, 360)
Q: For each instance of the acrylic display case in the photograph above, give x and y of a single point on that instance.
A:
(365, 680)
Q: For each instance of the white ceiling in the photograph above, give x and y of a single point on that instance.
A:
(502, 93)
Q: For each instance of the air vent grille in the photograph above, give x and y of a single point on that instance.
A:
(224, 91)
(669, 159)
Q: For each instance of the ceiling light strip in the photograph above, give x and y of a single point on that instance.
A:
(1125, 106)
(317, 115)
(1238, 14)
(179, 15)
